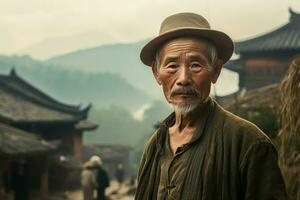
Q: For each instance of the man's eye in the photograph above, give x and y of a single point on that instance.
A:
(172, 65)
(195, 65)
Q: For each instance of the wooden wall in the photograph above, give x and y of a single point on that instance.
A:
(259, 72)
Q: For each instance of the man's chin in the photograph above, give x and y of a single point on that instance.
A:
(184, 108)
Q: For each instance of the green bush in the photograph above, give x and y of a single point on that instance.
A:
(267, 119)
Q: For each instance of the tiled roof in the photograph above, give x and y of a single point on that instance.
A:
(14, 141)
(286, 37)
(86, 125)
(234, 65)
(21, 102)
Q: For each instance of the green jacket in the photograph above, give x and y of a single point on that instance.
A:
(232, 160)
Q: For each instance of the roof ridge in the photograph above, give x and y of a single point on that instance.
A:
(14, 75)
(48, 102)
(281, 38)
(294, 16)
(269, 33)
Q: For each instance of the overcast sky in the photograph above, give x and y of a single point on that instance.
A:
(24, 23)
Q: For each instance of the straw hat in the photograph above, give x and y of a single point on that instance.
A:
(95, 161)
(87, 165)
(187, 24)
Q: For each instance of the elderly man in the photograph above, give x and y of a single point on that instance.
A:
(201, 151)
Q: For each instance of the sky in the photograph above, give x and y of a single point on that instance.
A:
(59, 26)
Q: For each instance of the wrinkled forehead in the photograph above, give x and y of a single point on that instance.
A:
(186, 45)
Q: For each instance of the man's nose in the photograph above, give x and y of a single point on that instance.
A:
(184, 76)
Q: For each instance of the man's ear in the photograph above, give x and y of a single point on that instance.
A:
(217, 70)
(155, 69)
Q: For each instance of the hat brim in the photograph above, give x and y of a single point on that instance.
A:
(222, 42)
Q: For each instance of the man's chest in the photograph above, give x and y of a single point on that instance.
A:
(173, 168)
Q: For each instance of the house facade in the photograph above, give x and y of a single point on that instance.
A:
(264, 60)
(53, 131)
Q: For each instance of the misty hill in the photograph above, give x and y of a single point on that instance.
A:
(101, 89)
(124, 60)
(117, 126)
(55, 46)
(115, 58)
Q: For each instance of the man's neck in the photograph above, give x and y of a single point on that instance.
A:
(185, 127)
(188, 120)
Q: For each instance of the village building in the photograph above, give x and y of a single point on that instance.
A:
(27, 110)
(27, 153)
(264, 60)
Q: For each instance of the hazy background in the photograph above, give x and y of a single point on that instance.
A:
(88, 51)
(45, 28)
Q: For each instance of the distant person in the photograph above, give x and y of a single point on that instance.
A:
(102, 180)
(88, 180)
(120, 174)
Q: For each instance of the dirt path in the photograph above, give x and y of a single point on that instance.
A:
(112, 192)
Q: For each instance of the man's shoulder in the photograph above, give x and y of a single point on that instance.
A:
(241, 130)
(240, 136)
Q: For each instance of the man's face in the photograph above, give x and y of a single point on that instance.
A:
(185, 72)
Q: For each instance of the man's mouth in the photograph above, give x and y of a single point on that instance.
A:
(185, 94)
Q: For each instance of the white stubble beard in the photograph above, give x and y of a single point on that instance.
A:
(183, 109)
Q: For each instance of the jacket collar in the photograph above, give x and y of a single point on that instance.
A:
(170, 120)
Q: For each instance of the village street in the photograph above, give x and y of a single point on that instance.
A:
(111, 193)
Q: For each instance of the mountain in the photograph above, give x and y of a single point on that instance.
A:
(55, 46)
(124, 60)
(113, 98)
(100, 89)
(116, 124)
(115, 58)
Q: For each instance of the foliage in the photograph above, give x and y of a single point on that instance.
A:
(265, 118)
(290, 129)
(117, 125)
(290, 111)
